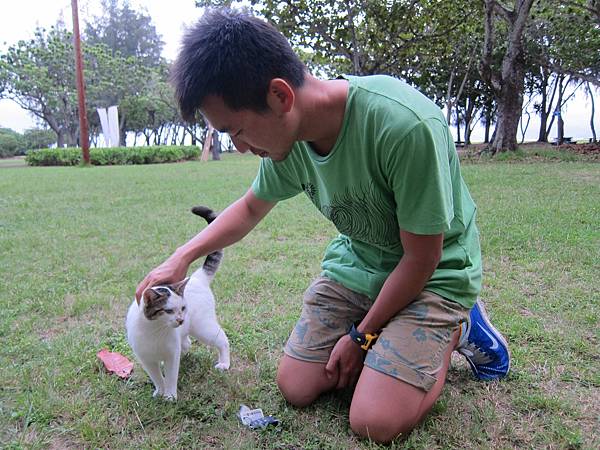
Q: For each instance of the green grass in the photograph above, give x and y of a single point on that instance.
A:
(74, 243)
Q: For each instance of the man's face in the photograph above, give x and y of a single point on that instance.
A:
(264, 134)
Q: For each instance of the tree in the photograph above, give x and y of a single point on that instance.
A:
(366, 37)
(507, 79)
(38, 75)
(575, 36)
(34, 138)
(127, 33)
(135, 46)
(11, 142)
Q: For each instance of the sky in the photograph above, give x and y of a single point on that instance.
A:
(19, 19)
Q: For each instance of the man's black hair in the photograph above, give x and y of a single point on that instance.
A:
(233, 55)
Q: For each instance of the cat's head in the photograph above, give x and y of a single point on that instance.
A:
(166, 304)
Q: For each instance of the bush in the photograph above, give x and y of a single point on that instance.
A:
(10, 143)
(113, 155)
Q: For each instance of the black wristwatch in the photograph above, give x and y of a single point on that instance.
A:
(365, 340)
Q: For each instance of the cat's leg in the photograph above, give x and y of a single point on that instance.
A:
(213, 334)
(222, 344)
(185, 344)
(171, 375)
(155, 374)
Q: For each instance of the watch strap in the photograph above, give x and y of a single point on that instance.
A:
(365, 340)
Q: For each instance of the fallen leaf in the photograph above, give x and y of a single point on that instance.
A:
(115, 363)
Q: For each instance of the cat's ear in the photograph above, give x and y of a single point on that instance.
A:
(179, 287)
(152, 294)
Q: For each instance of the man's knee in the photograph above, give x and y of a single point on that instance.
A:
(381, 426)
(293, 389)
(301, 382)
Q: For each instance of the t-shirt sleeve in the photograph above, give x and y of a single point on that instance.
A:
(419, 175)
(275, 181)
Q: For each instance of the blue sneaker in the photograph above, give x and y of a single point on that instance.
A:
(484, 347)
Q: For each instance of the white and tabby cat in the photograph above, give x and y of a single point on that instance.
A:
(159, 328)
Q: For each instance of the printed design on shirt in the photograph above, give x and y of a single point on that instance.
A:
(310, 190)
(360, 213)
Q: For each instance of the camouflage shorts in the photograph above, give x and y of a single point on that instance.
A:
(410, 347)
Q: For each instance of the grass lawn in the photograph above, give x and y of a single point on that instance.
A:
(74, 243)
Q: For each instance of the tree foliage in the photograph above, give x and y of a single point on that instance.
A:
(471, 57)
(38, 75)
(13, 143)
(476, 59)
(126, 32)
(122, 66)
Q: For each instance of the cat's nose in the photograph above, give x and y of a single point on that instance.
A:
(179, 321)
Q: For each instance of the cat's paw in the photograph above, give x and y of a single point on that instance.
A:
(222, 366)
(157, 393)
(170, 397)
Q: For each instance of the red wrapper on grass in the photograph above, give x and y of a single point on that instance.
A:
(115, 363)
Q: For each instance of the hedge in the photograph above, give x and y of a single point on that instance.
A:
(113, 155)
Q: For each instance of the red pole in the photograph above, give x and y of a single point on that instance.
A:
(83, 124)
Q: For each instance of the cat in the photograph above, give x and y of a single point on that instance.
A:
(160, 326)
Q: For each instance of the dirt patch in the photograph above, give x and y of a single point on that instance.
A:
(589, 150)
(592, 148)
(13, 162)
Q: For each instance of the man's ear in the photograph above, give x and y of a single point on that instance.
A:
(179, 287)
(280, 96)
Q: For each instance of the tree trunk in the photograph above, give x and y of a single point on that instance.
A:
(174, 136)
(560, 129)
(457, 125)
(468, 119)
(593, 113)
(510, 103)
(60, 139)
(216, 147)
(72, 138)
(543, 135)
(122, 131)
(559, 87)
(488, 124)
(508, 82)
(193, 135)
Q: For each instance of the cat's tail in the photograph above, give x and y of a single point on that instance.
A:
(213, 260)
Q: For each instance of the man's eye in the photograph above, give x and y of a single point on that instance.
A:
(169, 311)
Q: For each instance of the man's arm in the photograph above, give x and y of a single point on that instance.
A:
(421, 256)
(229, 227)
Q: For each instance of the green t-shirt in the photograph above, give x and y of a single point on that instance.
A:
(394, 166)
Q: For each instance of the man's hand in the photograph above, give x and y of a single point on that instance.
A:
(345, 362)
(172, 270)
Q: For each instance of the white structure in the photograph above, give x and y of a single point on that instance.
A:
(109, 120)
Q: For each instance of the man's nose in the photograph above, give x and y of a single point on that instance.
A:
(241, 146)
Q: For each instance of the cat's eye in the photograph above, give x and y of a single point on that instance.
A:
(183, 308)
(169, 311)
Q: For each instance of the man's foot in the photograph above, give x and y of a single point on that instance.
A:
(484, 347)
